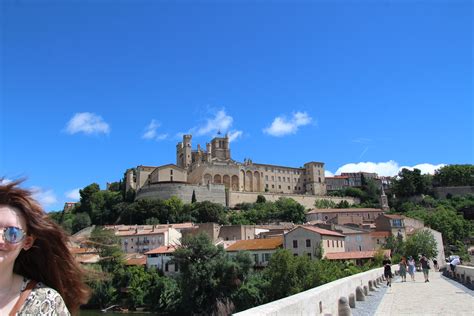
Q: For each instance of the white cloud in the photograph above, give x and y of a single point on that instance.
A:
(425, 168)
(389, 168)
(45, 198)
(73, 195)
(220, 122)
(328, 173)
(161, 136)
(282, 126)
(87, 123)
(150, 130)
(233, 135)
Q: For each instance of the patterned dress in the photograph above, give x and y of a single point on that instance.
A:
(43, 300)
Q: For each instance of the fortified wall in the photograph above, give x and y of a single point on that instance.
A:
(164, 190)
(306, 200)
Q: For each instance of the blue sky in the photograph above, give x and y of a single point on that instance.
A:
(91, 88)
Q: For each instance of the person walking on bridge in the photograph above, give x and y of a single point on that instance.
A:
(411, 268)
(387, 270)
(425, 266)
(403, 269)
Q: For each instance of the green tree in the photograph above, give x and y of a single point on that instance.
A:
(204, 212)
(410, 183)
(193, 198)
(108, 247)
(324, 203)
(261, 199)
(290, 211)
(80, 221)
(454, 175)
(138, 285)
(208, 276)
(421, 242)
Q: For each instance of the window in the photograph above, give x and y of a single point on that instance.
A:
(308, 242)
(328, 242)
(295, 243)
(279, 179)
(273, 186)
(166, 267)
(378, 241)
(288, 179)
(266, 178)
(266, 185)
(279, 186)
(171, 172)
(333, 243)
(171, 178)
(289, 188)
(309, 254)
(273, 178)
(396, 222)
(266, 257)
(255, 258)
(295, 255)
(337, 243)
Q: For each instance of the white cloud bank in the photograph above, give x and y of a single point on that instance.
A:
(44, 197)
(282, 126)
(221, 122)
(73, 195)
(389, 168)
(152, 133)
(87, 123)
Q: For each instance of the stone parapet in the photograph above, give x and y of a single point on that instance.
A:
(321, 300)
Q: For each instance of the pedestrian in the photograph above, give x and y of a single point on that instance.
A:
(403, 269)
(387, 270)
(454, 263)
(39, 276)
(435, 264)
(411, 268)
(425, 266)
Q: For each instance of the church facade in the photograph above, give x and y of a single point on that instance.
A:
(215, 166)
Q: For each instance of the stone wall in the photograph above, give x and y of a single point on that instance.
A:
(213, 192)
(442, 192)
(306, 200)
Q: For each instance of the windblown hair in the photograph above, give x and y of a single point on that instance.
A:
(49, 260)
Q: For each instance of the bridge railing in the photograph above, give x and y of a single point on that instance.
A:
(325, 299)
(462, 274)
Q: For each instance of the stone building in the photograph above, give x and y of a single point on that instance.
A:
(214, 167)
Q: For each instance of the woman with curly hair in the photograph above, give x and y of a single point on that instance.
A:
(39, 276)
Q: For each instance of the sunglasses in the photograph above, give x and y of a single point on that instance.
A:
(13, 235)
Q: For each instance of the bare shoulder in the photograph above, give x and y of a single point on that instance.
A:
(44, 300)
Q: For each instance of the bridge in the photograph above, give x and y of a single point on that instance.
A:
(367, 294)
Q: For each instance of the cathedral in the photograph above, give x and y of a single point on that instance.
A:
(215, 166)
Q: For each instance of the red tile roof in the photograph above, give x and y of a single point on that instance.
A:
(321, 231)
(162, 249)
(354, 255)
(380, 234)
(135, 260)
(257, 244)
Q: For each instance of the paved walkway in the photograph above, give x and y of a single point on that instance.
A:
(440, 296)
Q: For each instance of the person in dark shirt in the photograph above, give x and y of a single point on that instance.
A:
(425, 266)
(387, 270)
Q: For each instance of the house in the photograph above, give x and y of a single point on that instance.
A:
(140, 239)
(134, 259)
(260, 250)
(305, 240)
(226, 232)
(160, 257)
(327, 214)
(358, 257)
(379, 238)
(357, 239)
